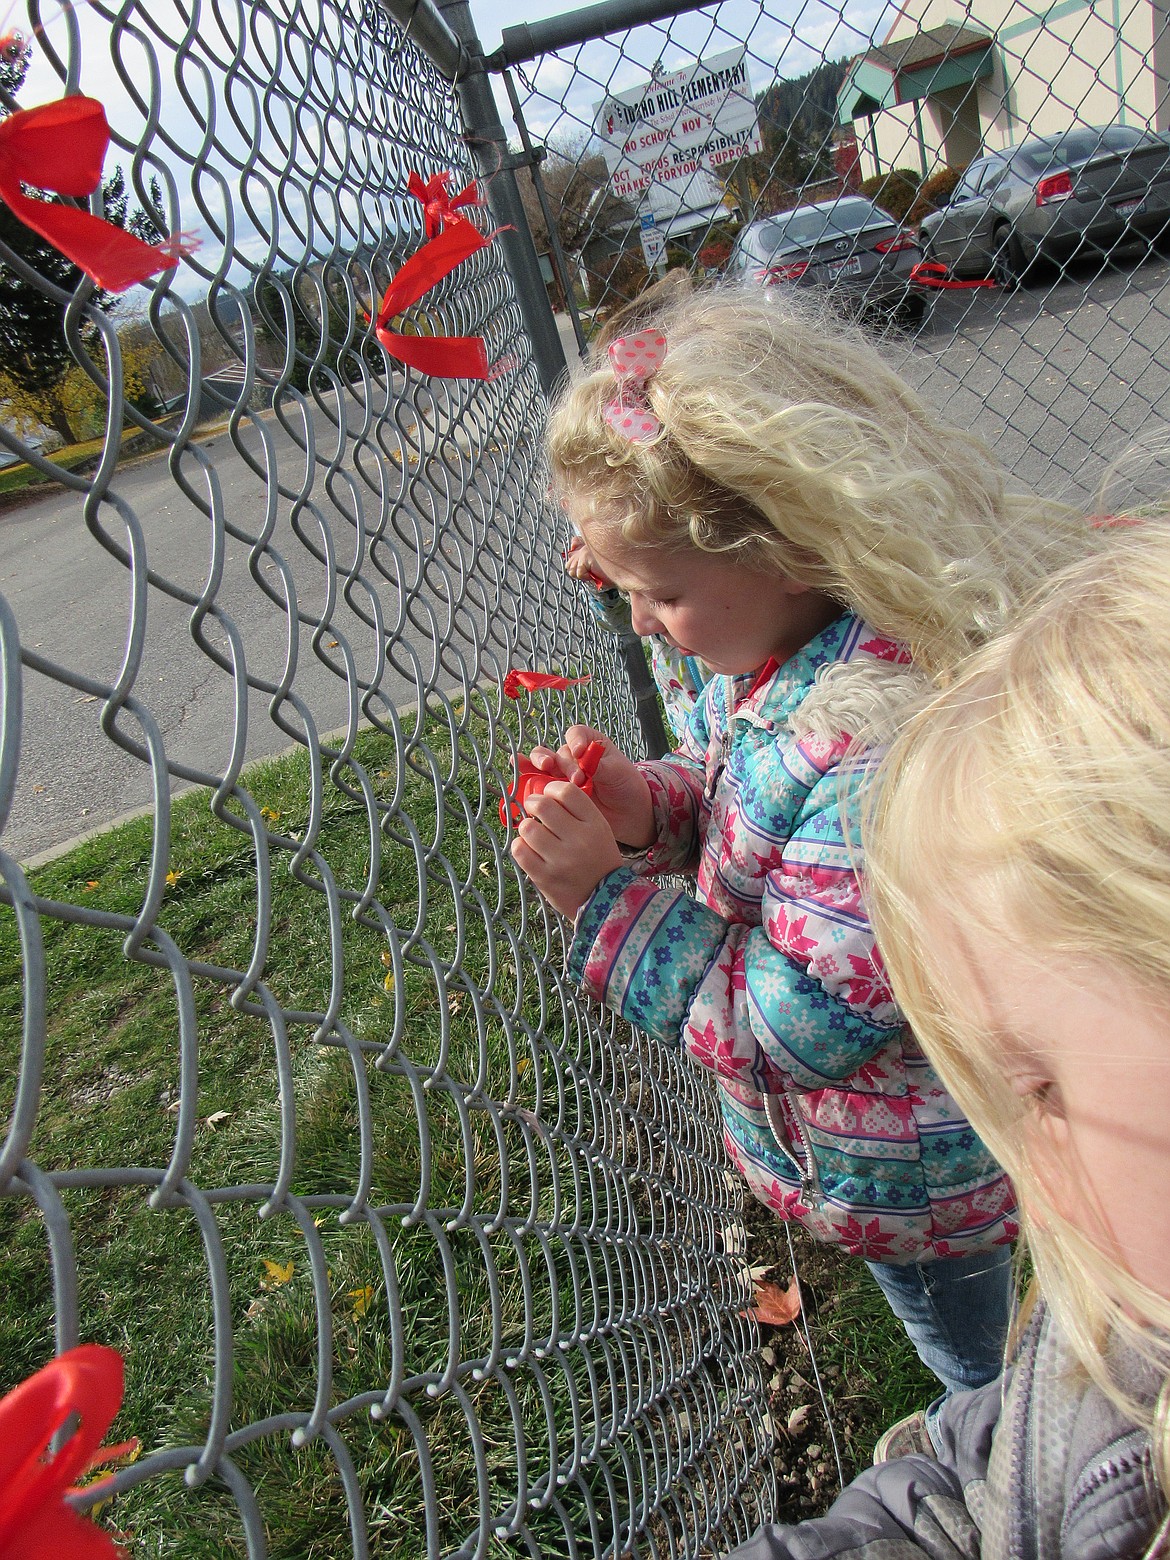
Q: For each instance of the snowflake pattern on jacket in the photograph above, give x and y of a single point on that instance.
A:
(771, 978)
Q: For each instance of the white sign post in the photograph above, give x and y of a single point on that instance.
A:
(664, 141)
(653, 241)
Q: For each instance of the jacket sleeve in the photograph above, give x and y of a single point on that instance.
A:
(803, 993)
(678, 793)
(917, 1508)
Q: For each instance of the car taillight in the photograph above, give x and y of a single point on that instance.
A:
(785, 273)
(1057, 186)
(891, 246)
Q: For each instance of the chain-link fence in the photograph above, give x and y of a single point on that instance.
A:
(408, 1249)
(892, 162)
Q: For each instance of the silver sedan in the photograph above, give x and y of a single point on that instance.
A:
(1085, 191)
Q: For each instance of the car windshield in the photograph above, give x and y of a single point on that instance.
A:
(1078, 146)
(808, 225)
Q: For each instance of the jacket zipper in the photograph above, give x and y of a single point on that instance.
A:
(806, 1165)
(766, 672)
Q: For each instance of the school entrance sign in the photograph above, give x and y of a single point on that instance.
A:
(667, 140)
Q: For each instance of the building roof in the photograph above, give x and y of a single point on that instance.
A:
(902, 70)
(927, 48)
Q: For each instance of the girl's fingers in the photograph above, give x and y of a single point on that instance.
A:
(546, 760)
(560, 808)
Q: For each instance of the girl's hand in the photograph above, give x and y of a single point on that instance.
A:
(619, 786)
(565, 846)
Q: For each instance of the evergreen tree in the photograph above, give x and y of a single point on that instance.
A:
(34, 354)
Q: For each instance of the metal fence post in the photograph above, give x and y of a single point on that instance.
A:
(489, 145)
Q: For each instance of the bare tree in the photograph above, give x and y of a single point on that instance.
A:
(576, 183)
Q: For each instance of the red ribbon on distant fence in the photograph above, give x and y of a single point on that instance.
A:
(450, 357)
(515, 681)
(61, 147)
(932, 273)
(84, 1386)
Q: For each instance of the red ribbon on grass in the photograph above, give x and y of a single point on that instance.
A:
(36, 1521)
(515, 681)
(61, 147)
(932, 273)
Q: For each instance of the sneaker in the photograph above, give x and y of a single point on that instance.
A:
(905, 1439)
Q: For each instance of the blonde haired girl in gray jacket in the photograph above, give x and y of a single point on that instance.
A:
(1019, 867)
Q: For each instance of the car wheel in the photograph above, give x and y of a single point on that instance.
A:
(911, 312)
(1009, 265)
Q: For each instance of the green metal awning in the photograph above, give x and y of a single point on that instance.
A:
(907, 69)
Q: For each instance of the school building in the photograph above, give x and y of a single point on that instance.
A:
(946, 83)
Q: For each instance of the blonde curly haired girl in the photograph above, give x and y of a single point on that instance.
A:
(776, 501)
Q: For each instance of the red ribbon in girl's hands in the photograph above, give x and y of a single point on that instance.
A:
(61, 147)
(450, 357)
(438, 206)
(515, 681)
(531, 781)
(36, 1522)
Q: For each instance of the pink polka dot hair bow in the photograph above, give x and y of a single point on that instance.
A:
(635, 360)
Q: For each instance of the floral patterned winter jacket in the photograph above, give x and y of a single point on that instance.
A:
(771, 978)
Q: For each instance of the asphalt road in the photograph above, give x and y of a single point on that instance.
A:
(72, 602)
(1059, 378)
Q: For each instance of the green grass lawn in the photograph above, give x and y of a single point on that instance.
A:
(13, 479)
(451, 1272)
(489, 1244)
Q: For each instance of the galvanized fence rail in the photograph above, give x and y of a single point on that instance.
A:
(407, 1248)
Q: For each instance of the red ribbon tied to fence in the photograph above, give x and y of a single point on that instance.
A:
(36, 1521)
(450, 357)
(439, 206)
(531, 781)
(932, 273)
(61, 147)
(515, 681)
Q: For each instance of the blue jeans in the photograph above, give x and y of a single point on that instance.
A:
(956, 1312)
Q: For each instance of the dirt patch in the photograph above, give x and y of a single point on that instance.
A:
(858, 1376)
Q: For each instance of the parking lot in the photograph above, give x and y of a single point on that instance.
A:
(1060, 377)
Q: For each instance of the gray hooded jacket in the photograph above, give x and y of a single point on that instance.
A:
(1037, 1466)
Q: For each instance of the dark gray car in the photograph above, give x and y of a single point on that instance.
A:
(849, 245)
(1050, 198)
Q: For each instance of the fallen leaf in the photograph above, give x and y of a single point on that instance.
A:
(216, 1117)
(37, 789)
(362, 1299)
(388, 983)
(173, 877)
(270, 815)
(454, 1003)
(387, 958)
(797, 1418)
(278, 1273)
(776, 1307)
(92, 884)
(523, 1065)
(333, 644)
